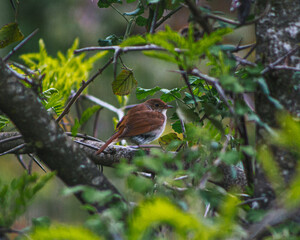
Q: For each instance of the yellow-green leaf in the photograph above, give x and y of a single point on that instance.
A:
(10, 33)
(169, 141)
(124, 83)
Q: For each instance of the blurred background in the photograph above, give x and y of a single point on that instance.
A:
(59, 23)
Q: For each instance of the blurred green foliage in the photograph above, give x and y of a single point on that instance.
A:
(170, 191)
(16, 196)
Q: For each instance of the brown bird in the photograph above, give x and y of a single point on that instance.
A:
(142, 124)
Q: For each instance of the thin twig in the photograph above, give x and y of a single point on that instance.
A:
(283, 67)
(23, 68)
(21, 146)
(87, 145)
(279, 60)
(200, 18)
(25, 40)
(153, 24)
(148, 47)
(11, 139)
(186, 80)
(84, 136)
(243, 61)
(119, 12)
(20, 76)
(243, 47)
(251, 50)
(106, 105)
(230, 21)
(13, 5)
(115, 61)
(252, 200)
(207, 208)
(215, 82)
(20, 159)
(145, 146)
(37, 162)
(80, 90)
(30, 166)
(95, 128)
(216, 163)
(167, 16)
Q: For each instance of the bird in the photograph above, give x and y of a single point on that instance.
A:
(142, 124)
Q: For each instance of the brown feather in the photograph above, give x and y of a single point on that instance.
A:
(109, 141)
(142, 122)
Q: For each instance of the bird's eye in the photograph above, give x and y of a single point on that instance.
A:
(156, 105)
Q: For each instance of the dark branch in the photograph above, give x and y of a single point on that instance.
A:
(48, 140)
(25, 40)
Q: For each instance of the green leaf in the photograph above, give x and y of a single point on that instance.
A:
(264, 86)
(140, 184)
(92, 195)
(142, 93)
(110, 41)
(3, 121)
(249, 150)
(62, 232)
(86, 115)
(176, 126)
(16, 196)
(266, 91)
(124, 83)
(41, 222)
(138, 11)
(231, 83)
(186, 114)
(160, 55)
(160, 211)
(152, 1)
(170, 95)
(133, 41)
(52, 99)
(106, 3)
(72, 190)
(231, 157)
(141, 21)
(10, 33)
(169, 141)
(63, 73)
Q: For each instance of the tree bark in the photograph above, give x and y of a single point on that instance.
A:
(43, 134)
(277, 33)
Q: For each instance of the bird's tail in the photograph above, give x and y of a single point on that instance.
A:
(109, 141)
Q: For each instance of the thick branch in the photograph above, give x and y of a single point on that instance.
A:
(41, 132)
(113, 154)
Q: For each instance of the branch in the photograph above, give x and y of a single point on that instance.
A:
(25, 40)
(48, 140)
(167, 16)
(112, 155)
(215, 82)
(230, 21)
(148, 47)
(274, 217)
(279, 60)
(80, 90)
(199, 16)
(106, 105)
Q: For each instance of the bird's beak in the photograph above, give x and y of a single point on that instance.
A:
(169, 106)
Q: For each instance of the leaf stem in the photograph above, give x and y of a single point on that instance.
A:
(119, 12)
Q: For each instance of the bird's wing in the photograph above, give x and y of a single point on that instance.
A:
(142, 122)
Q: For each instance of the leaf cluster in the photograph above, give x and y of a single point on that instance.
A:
(16, 196)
